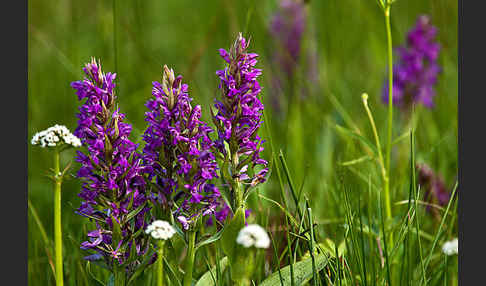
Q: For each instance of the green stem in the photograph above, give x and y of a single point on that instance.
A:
(119, 274)
(191, 250)
(240, 203)
(57, 220)
(390, 115)
(238, 191)
(160, 263)
(377, 138)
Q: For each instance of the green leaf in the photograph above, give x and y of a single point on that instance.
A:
(211, 239)
(207, 278)
(329, 246)
(302, 272)
(117, 235)
(292, 219)
(133, 253)
(91, 275)
(230, 232)
(141, 267)
(356, 161)
(357, 136)
(135, 212)
(111, 281)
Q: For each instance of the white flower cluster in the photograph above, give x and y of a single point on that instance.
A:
(54, 136)
(160, 229)
(451, 247)
(253, 235)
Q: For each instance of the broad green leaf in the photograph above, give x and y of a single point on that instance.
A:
(302, 272)
(117, 235)
(207, 278)
(230, 232)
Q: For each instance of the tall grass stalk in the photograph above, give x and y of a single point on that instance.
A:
(57, 219)
(377, 139)
(390, 113)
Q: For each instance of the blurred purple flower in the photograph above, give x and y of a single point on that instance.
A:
(415, 74)
(113, 188)
(435, 190)
(287, 27)
(178, 150)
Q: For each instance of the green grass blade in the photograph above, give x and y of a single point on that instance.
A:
(439, 231)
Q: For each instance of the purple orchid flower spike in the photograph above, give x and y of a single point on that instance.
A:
(415, 74)
(178, 152)
(238, 118)
(113, 189)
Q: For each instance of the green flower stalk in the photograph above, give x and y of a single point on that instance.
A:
(189, 264)
(161, 231)
(160, 262)
(386, 7)
(251, 238)
(57, 219)
(57, 138)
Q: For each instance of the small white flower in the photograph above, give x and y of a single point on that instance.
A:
(253, 235)
(160, 229)
(451, 247)
(54, 136)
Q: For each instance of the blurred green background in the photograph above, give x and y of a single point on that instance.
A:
(136, 38)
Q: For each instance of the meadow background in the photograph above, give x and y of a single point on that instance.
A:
(136, 38)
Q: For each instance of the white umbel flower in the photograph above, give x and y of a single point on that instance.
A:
(55, 136)
(451, 247)
(253, 235)
(160, 229)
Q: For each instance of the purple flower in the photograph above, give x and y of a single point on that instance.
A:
(415, 74)
(224, 212)
(435, 190)
(239, 116)
(113, 188)
(178, 151)
(287, 27)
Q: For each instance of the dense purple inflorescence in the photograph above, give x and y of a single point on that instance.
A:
(415, 74)
(113, 187)
(287, 27)
(239, 116)
(178, 151)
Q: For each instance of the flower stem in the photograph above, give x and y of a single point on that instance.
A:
(160, 263)
(240, 203)
(191, 250)
(390, 115)
(377, 138)
(119, 274)
(57, 220)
